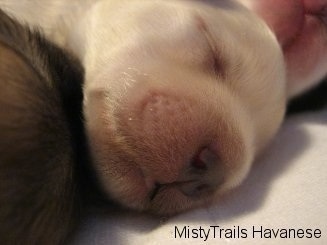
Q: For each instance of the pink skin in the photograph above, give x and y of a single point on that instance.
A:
(300, 27)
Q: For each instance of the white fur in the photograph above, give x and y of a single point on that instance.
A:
(135, 52)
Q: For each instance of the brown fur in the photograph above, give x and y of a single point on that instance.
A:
(38, 190)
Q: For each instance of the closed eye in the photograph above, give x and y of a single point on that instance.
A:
(216, 63)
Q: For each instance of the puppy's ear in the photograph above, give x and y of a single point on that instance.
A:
(39, 200)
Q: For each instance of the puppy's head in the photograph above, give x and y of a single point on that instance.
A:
(180, 96)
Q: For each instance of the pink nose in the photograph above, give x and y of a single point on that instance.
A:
(206, 173)
(202, 176)
(176, 143)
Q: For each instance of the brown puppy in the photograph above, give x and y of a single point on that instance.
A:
(40, 121)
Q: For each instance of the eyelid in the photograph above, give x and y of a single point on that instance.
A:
(217, 63)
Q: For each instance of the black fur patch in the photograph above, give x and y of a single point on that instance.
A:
(313, 100)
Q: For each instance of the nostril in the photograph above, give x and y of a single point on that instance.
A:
(199, 179)
(198, 163)
(204, 159)
(205, 175)
(201, 187)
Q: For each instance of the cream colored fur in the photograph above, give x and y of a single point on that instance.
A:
(215, 61)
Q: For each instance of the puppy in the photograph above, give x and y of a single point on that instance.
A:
(180, 96)
(40, 123)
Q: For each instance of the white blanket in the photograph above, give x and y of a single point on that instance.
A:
(287, 189)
